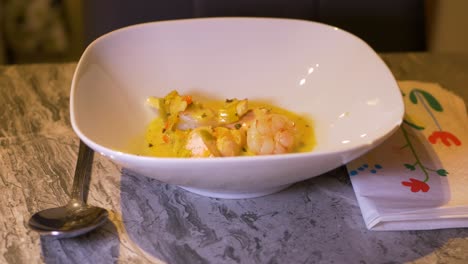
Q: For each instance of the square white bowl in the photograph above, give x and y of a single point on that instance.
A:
(306, 67)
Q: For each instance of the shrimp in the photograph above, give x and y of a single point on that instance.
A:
(229, 142)
(217, 142)
(202, 143)
(271, 133)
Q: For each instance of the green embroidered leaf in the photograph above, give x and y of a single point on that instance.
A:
(409, 166)
(413, 125)
(431, 100)
(412, 96)
(442, 172)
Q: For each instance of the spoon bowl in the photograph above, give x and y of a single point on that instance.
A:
(63, 222)
(76, 218)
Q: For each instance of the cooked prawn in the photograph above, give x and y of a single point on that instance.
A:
(217, 142)
(270, 133)
(229, 142)
(202, 143)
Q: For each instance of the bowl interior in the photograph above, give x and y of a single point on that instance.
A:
(306, 67)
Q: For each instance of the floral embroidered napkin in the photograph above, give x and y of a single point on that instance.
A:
(418, 178)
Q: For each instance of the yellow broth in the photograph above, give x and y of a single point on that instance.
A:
(155, 145)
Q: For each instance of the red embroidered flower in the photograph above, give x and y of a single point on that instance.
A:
(416, 185)
(445, 137)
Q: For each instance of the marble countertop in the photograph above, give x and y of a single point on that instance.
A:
(315, 221)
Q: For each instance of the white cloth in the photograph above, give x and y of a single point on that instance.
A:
(418, 178)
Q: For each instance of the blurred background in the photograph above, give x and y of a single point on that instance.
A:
(42, 31)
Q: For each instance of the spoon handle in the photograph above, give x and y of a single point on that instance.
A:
(82, 173)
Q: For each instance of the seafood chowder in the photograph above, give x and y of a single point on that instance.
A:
(184, 127)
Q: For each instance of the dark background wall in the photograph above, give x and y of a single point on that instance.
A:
(58, 30)
(387, 25)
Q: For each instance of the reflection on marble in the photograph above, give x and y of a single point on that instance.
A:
(316, 221)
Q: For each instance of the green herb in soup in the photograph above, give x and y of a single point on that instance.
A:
(185, 127)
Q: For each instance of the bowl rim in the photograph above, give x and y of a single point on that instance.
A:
(344, 148)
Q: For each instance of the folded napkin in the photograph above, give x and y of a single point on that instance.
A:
(418, 178)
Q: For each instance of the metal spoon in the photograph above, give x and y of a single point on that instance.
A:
(75, 218)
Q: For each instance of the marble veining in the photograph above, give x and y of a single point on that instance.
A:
(315, 221)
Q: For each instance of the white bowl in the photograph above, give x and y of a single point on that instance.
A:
(306, 67)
